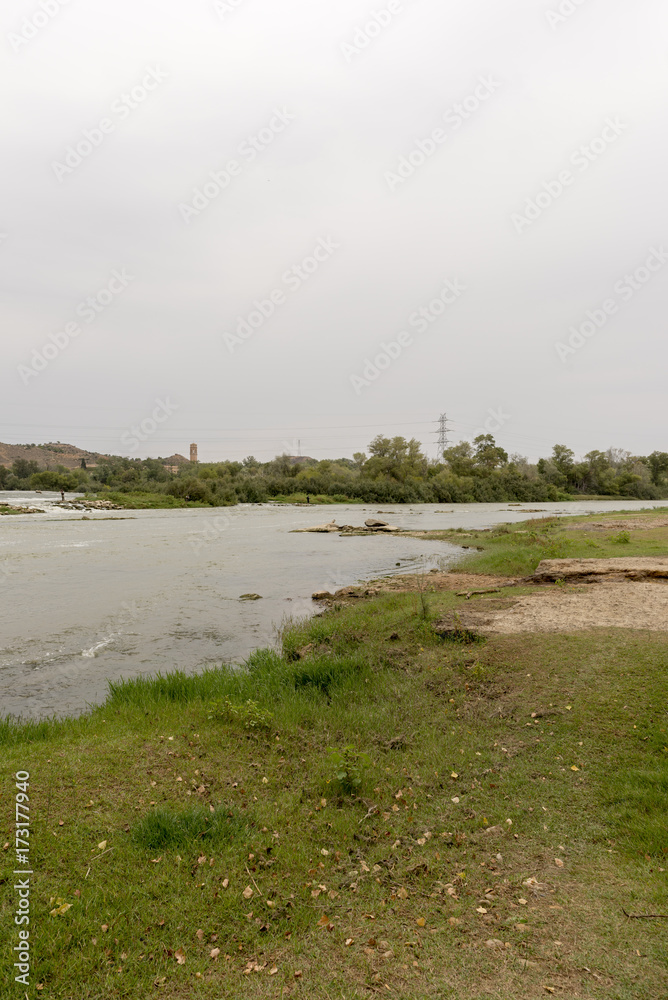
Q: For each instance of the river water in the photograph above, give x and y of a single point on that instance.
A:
(89, 598)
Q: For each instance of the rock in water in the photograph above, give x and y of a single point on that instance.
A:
(372, 523)
(250, 597)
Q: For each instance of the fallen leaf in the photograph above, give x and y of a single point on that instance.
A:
(156, 861)
(273, 970)
(402, 893)
(324, 920)
(214, 953)
(349, 941)
(299, 974)
(101, 846)
(180, 956)
(454, 775)
(248, 892)
(522, 902)
(200, 934)
(226, 882)
(104, 928)
(559, 863)
(574, 768)
(455, 799)
(480, 909)
(60, 910)
(420, 921)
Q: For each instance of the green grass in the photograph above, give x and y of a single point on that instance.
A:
(320, 498)
(148, 501)
(193, 828)
(175, 827)
(516, 549)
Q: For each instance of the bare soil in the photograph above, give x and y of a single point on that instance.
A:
(605, 605)
(639, 523)
(615, 603)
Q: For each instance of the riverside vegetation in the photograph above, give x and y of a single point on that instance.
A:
(368, 809)
(394, 471)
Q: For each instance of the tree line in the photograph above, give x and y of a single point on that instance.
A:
(394, 470)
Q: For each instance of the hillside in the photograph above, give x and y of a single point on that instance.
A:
(48, 456)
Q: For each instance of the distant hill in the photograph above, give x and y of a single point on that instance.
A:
(49, 456)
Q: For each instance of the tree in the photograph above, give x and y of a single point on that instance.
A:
(396, 458)
(459, 459)
(563, 458)
(658, 464)
(23, 469)
(488, 455)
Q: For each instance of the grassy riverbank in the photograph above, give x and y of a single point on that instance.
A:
(516, 549)
(207, 836)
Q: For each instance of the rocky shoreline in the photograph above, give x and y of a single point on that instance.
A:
(370, 527)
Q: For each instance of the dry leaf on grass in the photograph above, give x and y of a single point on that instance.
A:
(199, 934)
(214, 953)
(248, 892)
(180, 956)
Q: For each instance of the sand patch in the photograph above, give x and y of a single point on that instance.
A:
(605, 605)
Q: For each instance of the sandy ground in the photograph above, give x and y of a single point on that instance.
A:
(623, 524)
(569, 608)
(604, 605)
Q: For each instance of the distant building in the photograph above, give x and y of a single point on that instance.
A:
(174, 463)
(193, 452)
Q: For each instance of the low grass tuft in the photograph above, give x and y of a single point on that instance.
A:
(166, 828)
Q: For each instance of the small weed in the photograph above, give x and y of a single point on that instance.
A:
(622, 538)
(249, 714)
(349, 765)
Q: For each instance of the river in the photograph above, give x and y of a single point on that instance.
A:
(89, 598)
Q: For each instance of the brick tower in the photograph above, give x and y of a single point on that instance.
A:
(193, 452)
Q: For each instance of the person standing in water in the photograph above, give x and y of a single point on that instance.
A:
(62, 496)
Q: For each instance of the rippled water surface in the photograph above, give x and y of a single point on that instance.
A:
(87, 598)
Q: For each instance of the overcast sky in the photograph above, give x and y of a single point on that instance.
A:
(248, 223)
